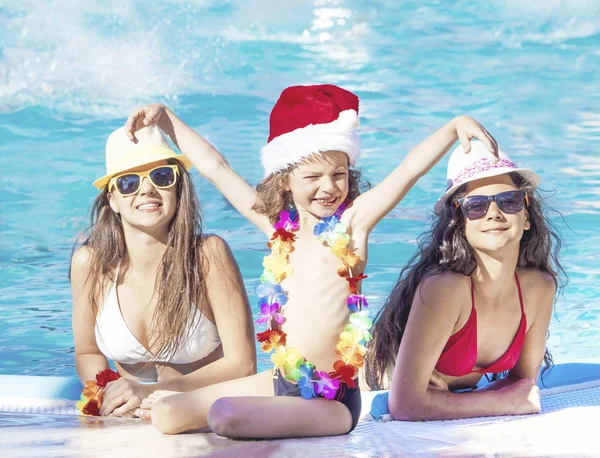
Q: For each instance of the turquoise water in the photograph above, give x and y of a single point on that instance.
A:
(71, 72)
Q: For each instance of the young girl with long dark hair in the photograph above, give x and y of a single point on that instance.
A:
(475, 299)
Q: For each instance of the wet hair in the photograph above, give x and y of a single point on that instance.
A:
(180, 274)
(272, 197)
(445, 248)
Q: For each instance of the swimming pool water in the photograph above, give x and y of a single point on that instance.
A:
(69, 75)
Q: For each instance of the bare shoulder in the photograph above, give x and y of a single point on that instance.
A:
(79, 274)
(536, 280)
(216, 256)
(80, 262)
(443, 291)
(223, 283)
(538, 288)
(212, 246)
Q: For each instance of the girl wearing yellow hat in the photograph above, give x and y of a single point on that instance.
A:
(151, 292)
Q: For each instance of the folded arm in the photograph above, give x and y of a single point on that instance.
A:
(435, 311)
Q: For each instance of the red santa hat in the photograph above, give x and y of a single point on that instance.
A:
(308, 120)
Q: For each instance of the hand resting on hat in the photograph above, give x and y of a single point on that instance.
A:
(142, 117)
(468, 128)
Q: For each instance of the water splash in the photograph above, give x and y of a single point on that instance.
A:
(102, 59)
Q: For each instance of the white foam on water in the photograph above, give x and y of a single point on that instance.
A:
(103, 58)
(56, 57)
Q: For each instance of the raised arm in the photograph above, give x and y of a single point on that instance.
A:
(88, 357)
(209, 162)
(373, 205)
(435, 310)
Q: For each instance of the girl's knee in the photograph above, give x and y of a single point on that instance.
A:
(225, 418)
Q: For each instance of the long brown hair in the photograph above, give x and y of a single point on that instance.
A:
(445, 248)
(180, 276)
(272, 197)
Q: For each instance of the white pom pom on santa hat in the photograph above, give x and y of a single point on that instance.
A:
(311, 119)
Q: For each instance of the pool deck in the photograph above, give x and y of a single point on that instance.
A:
(567, 426)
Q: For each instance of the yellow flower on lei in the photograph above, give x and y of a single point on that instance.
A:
(349, 348)
(340, 246)
(352, 356)
(278, 264)
(349, 258)
(350, 338)
(343, 253)
(279, 246)
(285, 356)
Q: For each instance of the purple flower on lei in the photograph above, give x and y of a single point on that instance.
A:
(356, 302)
(270, 293)
(288, 220)
(326, 386)
(305, 382)
(269, 312)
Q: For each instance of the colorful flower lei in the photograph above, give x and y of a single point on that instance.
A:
(271, 296)
(92, 393)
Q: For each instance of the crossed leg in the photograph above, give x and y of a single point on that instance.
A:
(250, 411)
(278, 417)
(187, 411)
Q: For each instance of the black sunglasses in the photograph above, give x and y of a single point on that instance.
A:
(476, 207)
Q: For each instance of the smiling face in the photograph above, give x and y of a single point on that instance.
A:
(320, 183)
(496, 229)
(150, 207)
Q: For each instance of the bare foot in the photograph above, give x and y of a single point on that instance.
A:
(144, 412)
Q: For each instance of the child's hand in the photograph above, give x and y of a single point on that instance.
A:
(143, 117)
(467, 128)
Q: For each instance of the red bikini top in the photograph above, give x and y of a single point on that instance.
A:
(460, 353)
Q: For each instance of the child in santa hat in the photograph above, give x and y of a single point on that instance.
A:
(310, 207)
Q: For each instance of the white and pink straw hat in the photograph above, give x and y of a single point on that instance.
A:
(476, 164)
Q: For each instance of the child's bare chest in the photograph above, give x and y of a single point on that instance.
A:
(310, 260)
(315, 280)
(313, 258)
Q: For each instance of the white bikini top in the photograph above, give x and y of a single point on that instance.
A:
(116, 341)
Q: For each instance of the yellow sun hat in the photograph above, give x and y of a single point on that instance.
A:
(123, 154)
